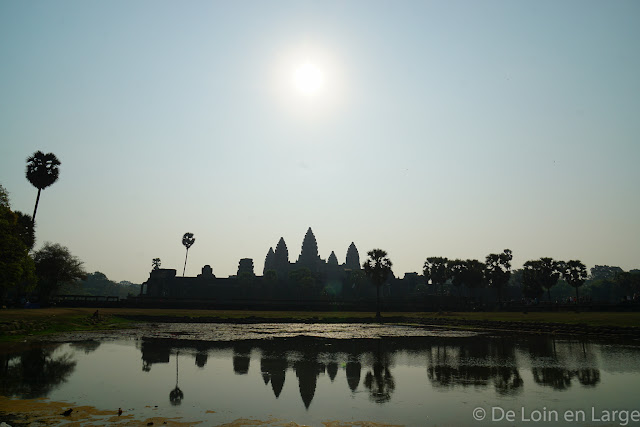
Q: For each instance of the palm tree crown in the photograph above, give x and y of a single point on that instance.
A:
(42, 171)
(187, 240)
(377, 267)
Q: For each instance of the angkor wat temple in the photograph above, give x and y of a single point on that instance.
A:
(310, 278)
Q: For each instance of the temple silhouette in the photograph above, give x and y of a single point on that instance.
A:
(309, 278)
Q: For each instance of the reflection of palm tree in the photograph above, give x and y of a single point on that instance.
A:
(507, 380)
(557, 378)
(42, 171)
(176, 395)
(589, 376)
(187, 240)
(380, 382)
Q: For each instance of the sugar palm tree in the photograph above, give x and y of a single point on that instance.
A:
(377, 268)
(436, 270)
(42, 171)
(575, 273)
(187, 241)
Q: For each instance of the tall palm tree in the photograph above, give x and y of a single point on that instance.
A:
(42, 171)
(436, 269)
(187, 240)
(575, 273)
(498, 271)
(377, 268)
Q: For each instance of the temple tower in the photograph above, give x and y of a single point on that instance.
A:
(269, 261)
(309, 254)
(281, 259)
(353, 258)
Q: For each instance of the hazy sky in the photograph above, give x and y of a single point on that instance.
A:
(442, 128)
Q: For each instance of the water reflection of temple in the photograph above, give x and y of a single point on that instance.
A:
(477, 361)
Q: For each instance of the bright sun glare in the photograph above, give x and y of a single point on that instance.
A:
(308, 79)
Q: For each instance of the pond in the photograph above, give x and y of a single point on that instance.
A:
(274, 374)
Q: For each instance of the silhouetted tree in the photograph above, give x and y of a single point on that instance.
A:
(498, 270)
(627, 282)
(4, 196)
(42, 171)
(187, 240)
(575, 274)
(551, 271)
(26, 229)
(605, 272)
(436, 271)
(377, 268)
(155, 263)
(469, 273)
(531, 283)
(473, 274)
(543, 272)
(17, 269)
(54, 266)
(456, 269)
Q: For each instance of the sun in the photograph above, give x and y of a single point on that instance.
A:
(308, 79)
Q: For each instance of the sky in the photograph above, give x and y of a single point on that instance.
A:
(436, 128)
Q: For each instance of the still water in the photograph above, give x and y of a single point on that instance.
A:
(316, 374)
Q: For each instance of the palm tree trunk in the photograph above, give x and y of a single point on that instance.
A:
(577, 296)
(35, 209)
(378, 315)
(549, 293)
(185, 262)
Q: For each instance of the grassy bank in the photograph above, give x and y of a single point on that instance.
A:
(16, 324)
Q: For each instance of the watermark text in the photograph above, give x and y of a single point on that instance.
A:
(622, 417)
